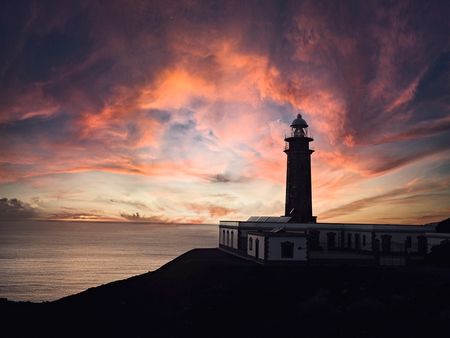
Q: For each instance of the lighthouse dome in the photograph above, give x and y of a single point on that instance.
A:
(299, 122)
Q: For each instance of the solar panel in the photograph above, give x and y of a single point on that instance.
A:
(269, 219)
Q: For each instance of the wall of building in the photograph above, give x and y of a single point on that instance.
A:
(243, 235)
(348, 239)
(398, 241)
(343, 239)
(351, 238)
(222, 236)
(254, 241)
(274, 248)
(228, 237)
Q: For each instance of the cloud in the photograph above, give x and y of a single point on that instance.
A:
(419, 130)
(226, 178)
(191, 91)
(132, 203)
(14, 209)
(213, 210)
(136, 217)
(77, 216)
(415, 191)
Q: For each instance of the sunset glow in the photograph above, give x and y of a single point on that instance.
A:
(176, 111)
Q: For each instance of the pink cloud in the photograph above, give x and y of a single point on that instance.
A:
(173, 98)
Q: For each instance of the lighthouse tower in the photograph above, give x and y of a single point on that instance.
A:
(298, 176)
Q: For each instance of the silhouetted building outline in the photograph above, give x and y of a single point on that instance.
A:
(297, 237)
(298, 173)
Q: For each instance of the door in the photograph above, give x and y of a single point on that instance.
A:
(257, 248)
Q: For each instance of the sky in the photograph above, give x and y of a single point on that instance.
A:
(176, 111)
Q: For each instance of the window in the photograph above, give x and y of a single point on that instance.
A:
(386, 243)
(408, 242)
(422, 244)
(257, 248)
(349, 241)
(331, 240)
(375, 243)
(223, 236)
(250, 243)
(314, 239)
(232, 235)
(287, 250)
(228, 237)
(364, 240)
(357, 242)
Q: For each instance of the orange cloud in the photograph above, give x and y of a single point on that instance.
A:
(209, 101)
(214, 211)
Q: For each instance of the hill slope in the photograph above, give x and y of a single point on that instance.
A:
(206, 292)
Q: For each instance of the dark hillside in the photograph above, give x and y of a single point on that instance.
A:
(206, 292)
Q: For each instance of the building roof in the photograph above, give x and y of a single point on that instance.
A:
(299, 122)
(251, 225)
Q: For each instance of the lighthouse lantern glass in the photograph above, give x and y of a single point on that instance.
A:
(299, 132)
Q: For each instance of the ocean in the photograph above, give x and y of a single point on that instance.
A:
(44, 261)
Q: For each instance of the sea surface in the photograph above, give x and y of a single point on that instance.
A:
(44, 261)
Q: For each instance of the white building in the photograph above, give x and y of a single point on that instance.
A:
(296, 237)
(275, 239)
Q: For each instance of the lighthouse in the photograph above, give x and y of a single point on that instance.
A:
(297, 237)
(298, 174)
